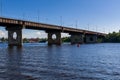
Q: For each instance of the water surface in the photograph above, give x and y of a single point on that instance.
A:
(67, 62)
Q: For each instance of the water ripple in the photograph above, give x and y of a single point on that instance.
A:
(66, 62)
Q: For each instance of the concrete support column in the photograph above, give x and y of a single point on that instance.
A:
(91, 38)
(51, 40)
(14, 36)
(77, 38)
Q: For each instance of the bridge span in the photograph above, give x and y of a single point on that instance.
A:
(77, 35)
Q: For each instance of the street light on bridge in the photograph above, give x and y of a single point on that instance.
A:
(76, 24)
(61, 23)
(1, 6)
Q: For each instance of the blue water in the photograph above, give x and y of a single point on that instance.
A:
(37, 61)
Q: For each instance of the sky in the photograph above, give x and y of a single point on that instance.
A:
(94, 15)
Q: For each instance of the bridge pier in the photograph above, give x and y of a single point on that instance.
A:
(14, 40)
(90, 38)
(51, 40)
(77, 38)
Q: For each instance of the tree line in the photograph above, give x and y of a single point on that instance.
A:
(113, 37)
(27, 40)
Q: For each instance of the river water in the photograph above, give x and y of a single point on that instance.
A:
(38, 61)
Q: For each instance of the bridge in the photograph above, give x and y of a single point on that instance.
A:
(77, 35)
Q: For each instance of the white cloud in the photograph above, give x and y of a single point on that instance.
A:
(3, 33)
(38, 33)
(41, 34)
(65, 35)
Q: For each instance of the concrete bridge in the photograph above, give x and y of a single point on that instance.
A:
(77, 35)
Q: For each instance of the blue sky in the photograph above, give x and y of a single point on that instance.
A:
(95, 15)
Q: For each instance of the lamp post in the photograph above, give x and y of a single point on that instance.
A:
(76, 24)
(96, 28)
(1, 6)
(88, 26)
(61, 21)
(38, 15)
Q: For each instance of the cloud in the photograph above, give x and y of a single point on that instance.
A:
(38, 33)
(3, 33)
(65, 35)
(41, 34)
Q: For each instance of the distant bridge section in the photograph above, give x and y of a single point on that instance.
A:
(77, 35)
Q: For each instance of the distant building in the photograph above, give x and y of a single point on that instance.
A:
(33, 40)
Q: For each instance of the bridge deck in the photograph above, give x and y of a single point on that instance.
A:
(42, 26)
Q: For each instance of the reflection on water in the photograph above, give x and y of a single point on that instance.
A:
(13, 63)
(66, 62)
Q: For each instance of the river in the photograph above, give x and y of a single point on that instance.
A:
(37, 61)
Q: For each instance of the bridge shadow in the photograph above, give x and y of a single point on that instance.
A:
(14, 63)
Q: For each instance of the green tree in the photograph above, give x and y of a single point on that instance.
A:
(3, 39)
(66, 39)
(25, 40)
(113, 37)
